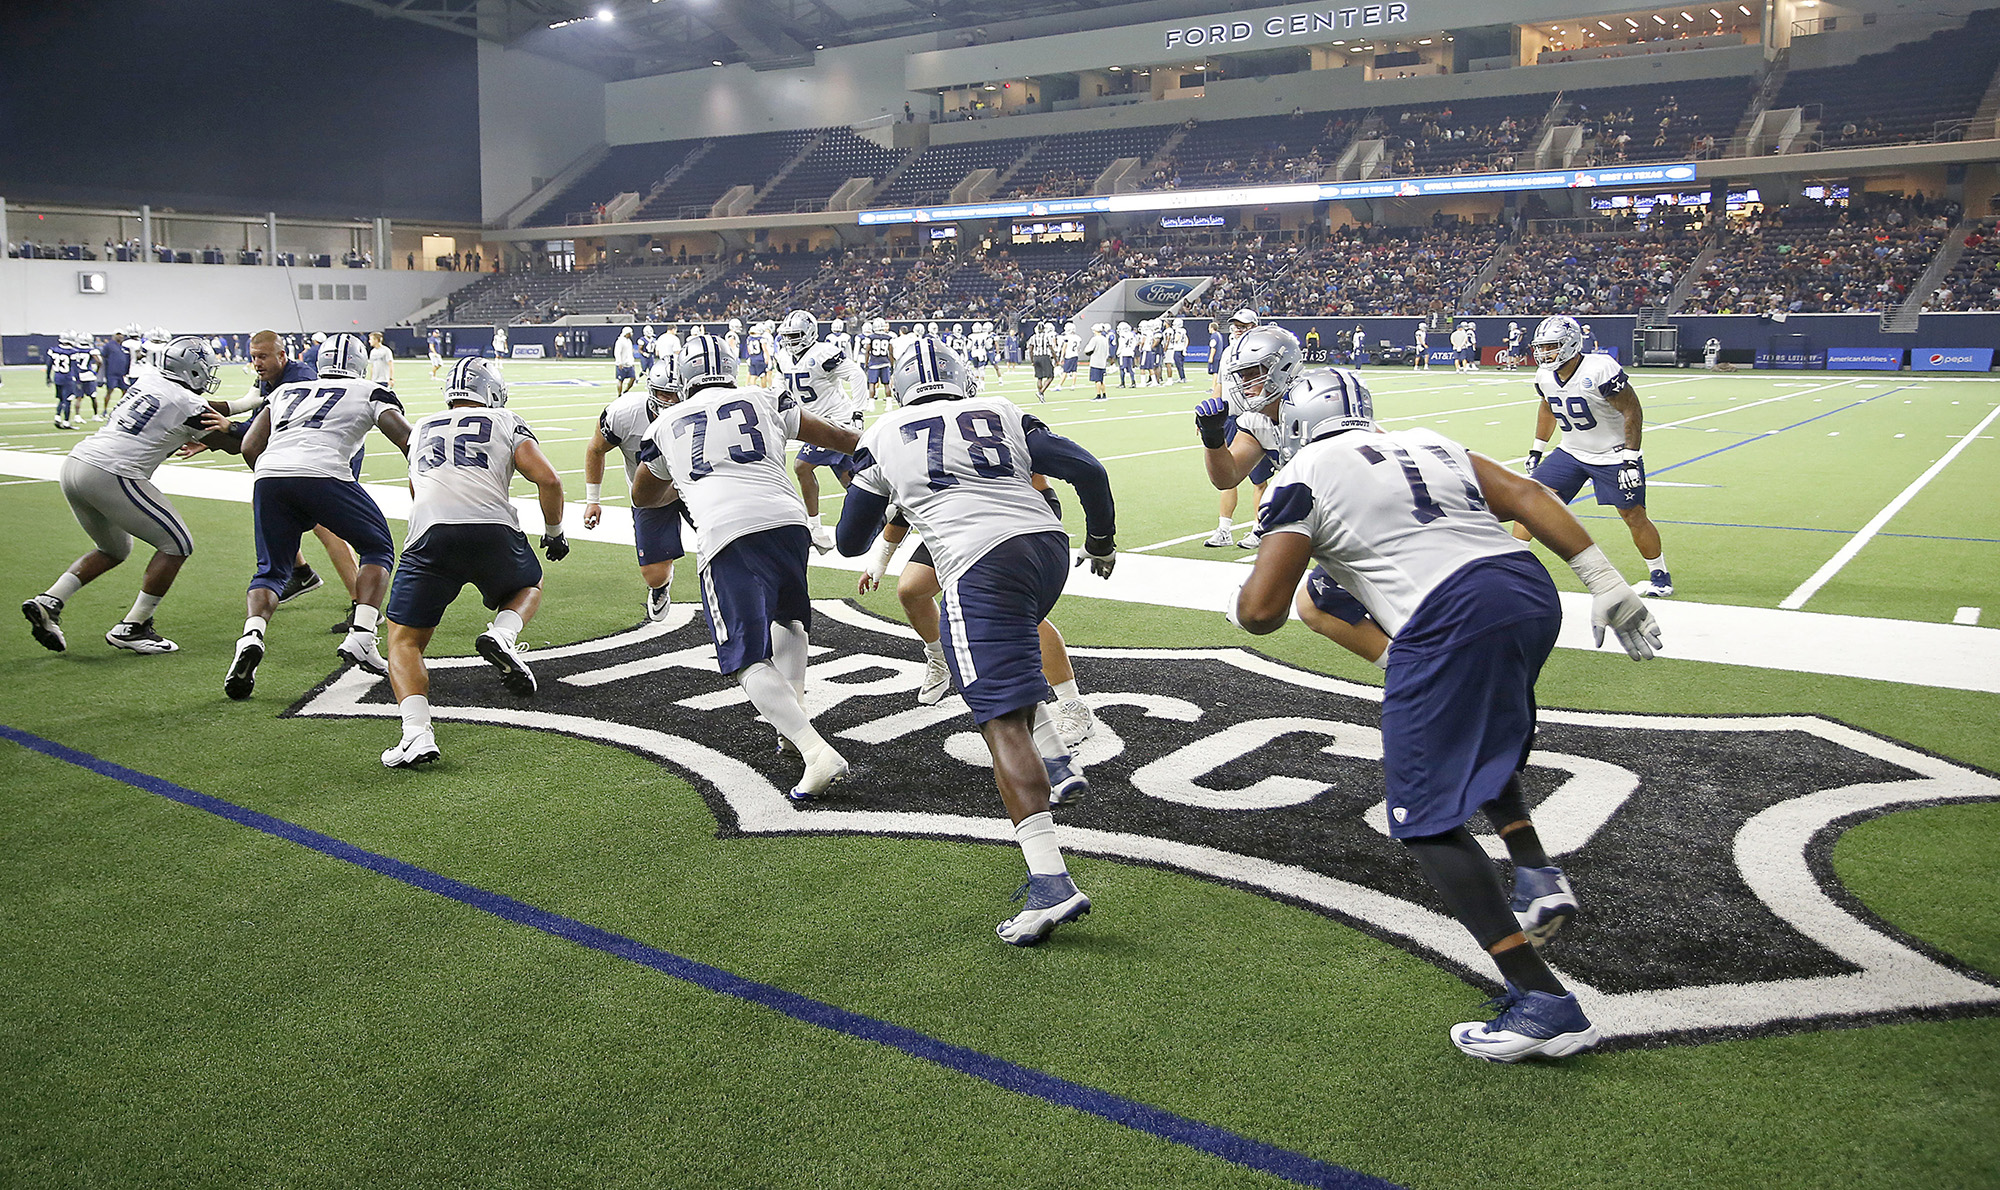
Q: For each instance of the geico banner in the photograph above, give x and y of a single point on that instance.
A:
(1951, 359)
(527, 351)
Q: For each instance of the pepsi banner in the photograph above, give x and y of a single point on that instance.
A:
(1864, 359)
(1951, 359)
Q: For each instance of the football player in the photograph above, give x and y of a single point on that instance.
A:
(756, 356)
(1514, 353)
(108, 481)
(827, 383)
(878, 355)
(84, 372)
(1072, 346)
(721, 449)
(306, 448)
(463, 529)
(58, 371)
(624, 361)
(1711, 354)
(655, 531)
(1423, 359)
(1592, 399)
(117, 370)
(1219, 356)
(1042, 348)
(435, 341)
(959, 466)
(1128, 348)
(1177, 341)
(1098, 350)
(1410, 522)
(500, 349)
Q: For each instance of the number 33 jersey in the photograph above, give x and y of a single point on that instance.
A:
(461, 465)
(1390, 515)
(1592, 431)
(724, 451)
(960, 471)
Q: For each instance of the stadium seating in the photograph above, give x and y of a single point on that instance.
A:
(1797, 261)
(1067, 165)
(1974, 282)
(627, 168)
(1603, 272)
(936, 170)
(750, 160)
(1661, 122)
(1256, 149)
(842, 155)
(1903, 93)
(1467, 135)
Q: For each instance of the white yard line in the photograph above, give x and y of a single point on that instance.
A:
(1833, 565)
(1966, 615)
(1160, 545)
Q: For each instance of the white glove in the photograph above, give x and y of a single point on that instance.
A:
(1632, 472)
(1616, 605)
(1229, 608)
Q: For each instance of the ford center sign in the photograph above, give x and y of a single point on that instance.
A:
(1300, 23)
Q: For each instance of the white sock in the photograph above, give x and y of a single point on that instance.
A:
(1222, 522)
(507, 624)
(366, 618)
(65, 587)
(775, 699)
(788, 652)
(416, 714)
(1047, 742)
(256, 624)
(142, 608)
(1066, 691)
(934, 649)
(1659, 563)
(1037, 836)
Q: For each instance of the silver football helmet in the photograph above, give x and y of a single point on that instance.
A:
(473, 379)
(928, 368)
(343, 357)
(1261, 368)
(663, 386)
(1322, 402)
(1557, 341)
(798, 331)
(705, 361)
(191, 363)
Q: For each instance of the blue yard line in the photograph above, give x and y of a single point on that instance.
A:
(1141, 1117)
(1781, 429)
(1803, 529)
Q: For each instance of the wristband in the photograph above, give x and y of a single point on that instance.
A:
(1597, 572)
(593, 493)
(1541, 446)
(554, 530)
(1382, 662)
(1229, 609)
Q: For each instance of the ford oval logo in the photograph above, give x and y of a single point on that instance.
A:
(1164, 293)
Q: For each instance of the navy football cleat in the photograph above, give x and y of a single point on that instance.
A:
(1052, 900)
(1530, 1025)
(1657, 585)
(1066, 781)
(304, 579)
(1543, 902)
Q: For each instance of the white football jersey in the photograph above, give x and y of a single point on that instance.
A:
(318, 427)
(153, 421)
(1592, 431)
(959, 471)
(826, 382)
(1390, 514)
(381, 362)
(1178, 339)
(621, 352)
(666, 346)
(624, 423)
(724, 451)
(1071, 345)
(1127, 342)
(461, 465)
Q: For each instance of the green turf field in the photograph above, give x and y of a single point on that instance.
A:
(192, 1002)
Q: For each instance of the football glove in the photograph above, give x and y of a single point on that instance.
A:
(1535, 453)
(1629, 618)
(554, 545)
(1632, 473)
(1101, 553)
(1211, 419)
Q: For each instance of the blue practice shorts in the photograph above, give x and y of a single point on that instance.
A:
(1564, 474)
(820, 456)
(657, 533)
(1069, 367)
(991, 623)
(878, 373)
(119, 382)
(1266, 467)
(1458, 711)
(86, 388)
(624, 373)
(435, 568)
(758, 579)
(758, 367)
(1097, 375)
(284, 508)
(1149, 360)
(1332, 598)
(1468, 354)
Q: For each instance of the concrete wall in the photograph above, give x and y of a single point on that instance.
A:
(40, 297)
(536, 115)
(845, 85)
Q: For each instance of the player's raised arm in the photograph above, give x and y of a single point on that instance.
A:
(593, 475)
(1545, 425)
(1053, 455)
(257, 437)
(394, 426)
(1615, 604)
(534, 466)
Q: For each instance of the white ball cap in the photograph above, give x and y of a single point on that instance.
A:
(1245, 317)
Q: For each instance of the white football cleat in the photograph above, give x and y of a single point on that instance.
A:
(1222, 538)
(658, 601)
(1052, 900)
(139, 638)
(821, 771)
(1530, 1025)
(505, 657)
(412, 750)
(360, 648)
(937, 681)
(1075, 723)
(822, 538)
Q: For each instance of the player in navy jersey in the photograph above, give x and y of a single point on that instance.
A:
(1410, 523)
(959, 465)
(59, 371)
(463, 529)
(1592, 399)
(107, 480)
(721, 449)
(306, 448)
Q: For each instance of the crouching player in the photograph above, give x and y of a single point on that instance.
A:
(1410, 523)
(655, 531)
(463, 529)
(959, 466)
(721, 449)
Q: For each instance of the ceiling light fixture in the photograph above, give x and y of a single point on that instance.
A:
(1602, 25)
(606, 15)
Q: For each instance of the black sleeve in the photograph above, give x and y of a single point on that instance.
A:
(1053, 455)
